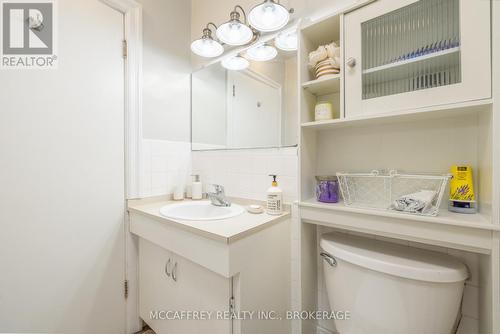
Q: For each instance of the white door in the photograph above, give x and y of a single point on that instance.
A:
(254, 115)
(62, 182)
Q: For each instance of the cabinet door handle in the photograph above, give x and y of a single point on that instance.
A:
(167, 266)
(174, 272)
(351, 62)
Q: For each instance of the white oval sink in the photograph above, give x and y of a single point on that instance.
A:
(202, 210)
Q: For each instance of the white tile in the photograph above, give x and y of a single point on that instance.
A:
(470, 306)
(159, 164)
(289, 166)
(468, 326)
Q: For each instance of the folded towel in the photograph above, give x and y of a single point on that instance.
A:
(418, 202)
(317, 55)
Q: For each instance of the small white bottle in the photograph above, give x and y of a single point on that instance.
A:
(274, 198)
(196, 188)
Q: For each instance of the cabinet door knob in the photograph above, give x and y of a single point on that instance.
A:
(167, 267)
(351, 62)
(174, 272)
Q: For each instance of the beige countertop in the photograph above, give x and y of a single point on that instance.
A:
(225, 230)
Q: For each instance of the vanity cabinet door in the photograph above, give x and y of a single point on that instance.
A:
(406, 54)
(170, 283)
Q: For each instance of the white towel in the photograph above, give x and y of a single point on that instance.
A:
(418, 202)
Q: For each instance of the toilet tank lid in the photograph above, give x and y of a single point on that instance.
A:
(394, 259)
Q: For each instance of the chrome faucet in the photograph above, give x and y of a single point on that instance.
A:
(218, 197)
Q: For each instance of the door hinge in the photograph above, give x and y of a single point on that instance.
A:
(234, 90)
(125, 288)
(231, 305)
(124, 49)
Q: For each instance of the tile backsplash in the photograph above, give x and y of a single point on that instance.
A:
(245, 173)
(165, 164)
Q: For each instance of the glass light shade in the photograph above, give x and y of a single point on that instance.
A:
(262, 52)
(207, 47)
(235, 63)
(234, 33)
(268, 16)
(287, 41)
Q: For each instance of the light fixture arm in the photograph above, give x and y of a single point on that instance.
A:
(237, 16)
(207, 32)
(211, 23)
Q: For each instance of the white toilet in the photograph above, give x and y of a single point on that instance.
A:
(389, 288)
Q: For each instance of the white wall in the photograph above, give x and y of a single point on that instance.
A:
(166, 70)
(166, 94)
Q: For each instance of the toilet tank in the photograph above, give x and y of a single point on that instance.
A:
(387, 288)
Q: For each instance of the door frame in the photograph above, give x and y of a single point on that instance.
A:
(132, 13)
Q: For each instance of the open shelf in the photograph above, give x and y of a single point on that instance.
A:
(477, 221)
(323, 86)
(404, 115)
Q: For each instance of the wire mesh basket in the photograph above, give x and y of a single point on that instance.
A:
(407, 193)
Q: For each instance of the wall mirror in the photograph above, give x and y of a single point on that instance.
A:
(255, 107)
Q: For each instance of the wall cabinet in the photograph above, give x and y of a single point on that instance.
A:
(406, 54)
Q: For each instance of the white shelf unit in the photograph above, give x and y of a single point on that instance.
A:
(324, 89)
(323, 86)
(421, 140)
(435, 112)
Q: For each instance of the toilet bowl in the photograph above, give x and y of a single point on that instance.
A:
(388, 288)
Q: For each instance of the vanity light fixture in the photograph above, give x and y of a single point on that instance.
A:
(287, 41)
(206, 46)
(269, 16)
(262, 52)
(234, 32)
(235, 63)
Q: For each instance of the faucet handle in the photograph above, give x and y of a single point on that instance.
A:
(219, 189)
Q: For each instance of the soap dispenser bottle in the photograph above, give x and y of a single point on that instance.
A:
(196, 188)
(274, 198)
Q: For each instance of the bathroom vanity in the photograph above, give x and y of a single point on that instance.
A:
(229, 268)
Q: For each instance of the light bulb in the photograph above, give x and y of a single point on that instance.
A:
(207, 47)
(234, 33)
(268, 16)
(262, 52)
(235, 63)
(286, 41)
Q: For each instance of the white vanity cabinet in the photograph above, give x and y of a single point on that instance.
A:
(170, 283)
(239, 265)
(406, 54)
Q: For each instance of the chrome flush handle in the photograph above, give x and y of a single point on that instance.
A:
(329, 259)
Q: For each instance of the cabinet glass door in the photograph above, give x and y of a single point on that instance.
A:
(411, 54)
(411, 48)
